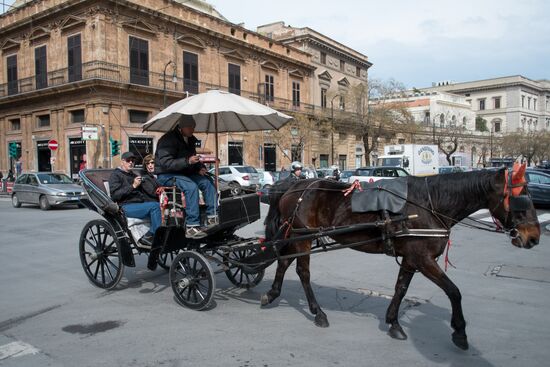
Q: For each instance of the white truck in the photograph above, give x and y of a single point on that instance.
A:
(416, 159)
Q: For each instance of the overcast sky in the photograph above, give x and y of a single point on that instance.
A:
(422, 41)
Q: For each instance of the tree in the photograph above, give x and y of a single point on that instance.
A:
(378, 112)
(531, 145)
(481, 124)
(450, 135)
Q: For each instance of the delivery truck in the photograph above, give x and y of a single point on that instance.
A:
(417, 159)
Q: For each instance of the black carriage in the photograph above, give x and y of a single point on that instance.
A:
(107, 245)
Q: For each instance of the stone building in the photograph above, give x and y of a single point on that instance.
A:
(104, 67)
(507, 103)
(338, 69)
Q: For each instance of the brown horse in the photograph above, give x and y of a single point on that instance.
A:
(439, 201)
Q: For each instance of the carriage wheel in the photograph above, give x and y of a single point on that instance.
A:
(100, 254)
(192, 280)
(166, 259)
(236, 275)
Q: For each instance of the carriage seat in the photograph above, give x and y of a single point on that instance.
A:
(379, 195)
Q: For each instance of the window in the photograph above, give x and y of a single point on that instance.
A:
(296, 152)
(342, 102)
(427, 117)
(191, 72)
(481, 104)
(323, 98)
(534, 103)
(11, 66)
(342, 65)
(77, 116)
(40, 67)
(15, 124)
(442, 120)
(296, 94)
(74, 58)
(522, 101)
(139, 61)
(497, 102)
(269, 88)
(357, 71)
(497, 127)
(464, 122)
(323, 58)
(453, 121)
(138, 117)
(400, 141)
(235, 153)
(234, 83)
(43, 121)
(528, 103)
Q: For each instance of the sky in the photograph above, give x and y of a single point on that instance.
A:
(422, 41)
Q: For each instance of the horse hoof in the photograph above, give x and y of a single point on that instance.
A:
(264, 301)
(396, 332)
(321, 320)
(460, 341)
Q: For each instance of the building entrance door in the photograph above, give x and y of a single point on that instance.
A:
(44, 154)
(270, 158)
(77, 156)
(235, 153)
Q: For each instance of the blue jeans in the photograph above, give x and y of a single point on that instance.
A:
(190, 186)
(148, 209)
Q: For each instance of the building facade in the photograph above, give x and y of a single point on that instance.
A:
(85, 73)
(507, 104)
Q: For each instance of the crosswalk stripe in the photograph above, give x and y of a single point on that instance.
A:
(16, 349)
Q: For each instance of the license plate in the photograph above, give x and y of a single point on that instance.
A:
(74, 198)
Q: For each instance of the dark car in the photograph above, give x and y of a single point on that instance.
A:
(450, 169)
(538, 184)
(46, 189)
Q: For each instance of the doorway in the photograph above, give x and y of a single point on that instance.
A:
(270, 158)
(77, 156)
(44, 155)
(235, 153)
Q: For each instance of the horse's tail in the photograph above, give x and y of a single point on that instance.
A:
(273, 219)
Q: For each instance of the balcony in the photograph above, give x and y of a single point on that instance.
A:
(149, 82)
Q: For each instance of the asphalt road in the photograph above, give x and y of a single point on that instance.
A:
(50, 315)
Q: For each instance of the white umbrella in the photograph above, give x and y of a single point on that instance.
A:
(218, 111)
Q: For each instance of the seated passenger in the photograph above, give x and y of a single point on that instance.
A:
(151, 187)
(126, 190)
(176, 160)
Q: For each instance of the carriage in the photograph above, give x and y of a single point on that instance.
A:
(107, 245)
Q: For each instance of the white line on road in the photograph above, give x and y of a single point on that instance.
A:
(542, 218)
(16, 349)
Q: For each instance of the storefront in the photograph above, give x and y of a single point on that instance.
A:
(140, 146)
(44, 155)
(77, 156)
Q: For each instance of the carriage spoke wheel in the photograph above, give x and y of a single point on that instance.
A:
(235, 273)
(192, 280)
(100, 254)
(166, 259)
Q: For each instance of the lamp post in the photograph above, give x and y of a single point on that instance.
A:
(491, 144)
(174, 78)
(332, 128)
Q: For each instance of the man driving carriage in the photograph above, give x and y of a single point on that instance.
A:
(176, 161)
(126, 190)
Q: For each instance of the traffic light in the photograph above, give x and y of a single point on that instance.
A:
(13, 149)
(115, 147)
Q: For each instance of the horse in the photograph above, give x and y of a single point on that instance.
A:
(439, 202)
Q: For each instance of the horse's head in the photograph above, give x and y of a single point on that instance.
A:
(513, 209)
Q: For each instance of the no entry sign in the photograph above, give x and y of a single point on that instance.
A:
(52, 144)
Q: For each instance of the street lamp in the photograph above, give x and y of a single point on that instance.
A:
(174, 79)
(332, 127)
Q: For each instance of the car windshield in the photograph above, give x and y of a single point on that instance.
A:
(363, 172)
(246, 169)
(54, 178)
(390, 162)
(346, 174)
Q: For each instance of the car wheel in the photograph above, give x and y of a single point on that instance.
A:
(235, 188)
(15, 201)
(44, 204)
(267, 186)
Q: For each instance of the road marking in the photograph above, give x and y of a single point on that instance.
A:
(542, 218)
(16, 349)
(479, 212)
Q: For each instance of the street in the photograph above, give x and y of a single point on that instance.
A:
(50, 315)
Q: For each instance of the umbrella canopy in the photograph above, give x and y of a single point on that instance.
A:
(230, 112)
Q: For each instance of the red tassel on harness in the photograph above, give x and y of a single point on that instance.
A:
(447, 261)
(355, 185)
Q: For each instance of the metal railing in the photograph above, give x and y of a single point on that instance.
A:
(101, 70)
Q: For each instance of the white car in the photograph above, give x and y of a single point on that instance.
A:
(266, 179)
(245, 177)
(372, 174)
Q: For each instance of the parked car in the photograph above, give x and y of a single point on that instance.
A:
(345, 175)
(241, 177)
(308, 172)
(538, 184)
(372, 174)
(266, 179)
(449, 169)
(46, 189)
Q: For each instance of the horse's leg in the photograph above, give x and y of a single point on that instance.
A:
(275, 291)
(302, 269)
(403, 280)
(432, 271)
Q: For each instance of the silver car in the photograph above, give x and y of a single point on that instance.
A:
(240, 177)
(46, 189)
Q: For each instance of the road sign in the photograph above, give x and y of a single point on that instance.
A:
(89, 133)
(52, 144)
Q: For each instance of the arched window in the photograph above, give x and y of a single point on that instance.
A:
(453, 121)
(464, 122)
(442, 120)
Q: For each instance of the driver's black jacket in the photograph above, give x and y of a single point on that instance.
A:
(173, 153)
(122, 189)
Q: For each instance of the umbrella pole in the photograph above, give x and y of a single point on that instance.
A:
(216, 164)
